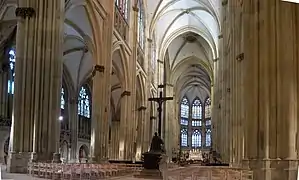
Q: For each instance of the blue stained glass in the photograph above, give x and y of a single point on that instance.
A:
(184, 138)
(208, 108)
(62, 100)
(197, 109)
(208, 138)
(184, 108)
(12, 60)
(196, 139)
(84, 103)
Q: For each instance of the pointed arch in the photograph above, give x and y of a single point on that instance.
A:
(196, 138)
(184, 109)
(184, 138)
(141, 24)
(208, 108)
(197, 109)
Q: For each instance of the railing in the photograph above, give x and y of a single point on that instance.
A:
(120, 24)
(211, 173)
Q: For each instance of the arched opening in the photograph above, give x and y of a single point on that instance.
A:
(83, 154)
(84, 112)
(64, 152)
(117, 82)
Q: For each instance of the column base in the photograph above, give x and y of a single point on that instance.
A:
(18, 162)
(56, 158)
(272, 169)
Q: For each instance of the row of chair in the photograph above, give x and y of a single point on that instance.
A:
(211, 173)
(79, 171)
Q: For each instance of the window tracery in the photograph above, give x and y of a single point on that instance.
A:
(208, 137)
(141, 25)
(12, 61)
(196, 139)
(196, 109)
(123, 8)
(184, 138)
(208, 108)
(84, 103)
(62, 99)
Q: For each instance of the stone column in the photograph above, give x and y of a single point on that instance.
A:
(141, 128)
(35, 126)
(124, 142)
(73, 119)
(169, 121)
(101, 92)
(271, 80)
(114, 140)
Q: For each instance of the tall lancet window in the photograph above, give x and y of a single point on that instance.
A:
(196, 139)
(84, 112)
(184, 111)
(84, 102)
(197, 109)
(123, 8)
(208, 108)
(12, 61)
(184, 138)
(208, 137)
(62, 99)
(141, 25)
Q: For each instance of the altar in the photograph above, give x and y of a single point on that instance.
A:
(195, 157)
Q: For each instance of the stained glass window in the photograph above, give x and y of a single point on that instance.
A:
(196, 139)
(197, 109)
(208, 123)
(184, 122)
(185, 108)
(196, 123)
(208, 108)
(62, 99)
(12, 61)
(184, 138)
(122, 6)
(141, 24)
(84, 103)
(208, 137)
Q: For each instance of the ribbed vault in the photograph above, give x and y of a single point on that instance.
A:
(186, 34)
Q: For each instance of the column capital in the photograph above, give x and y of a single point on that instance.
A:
(135, 8)
(141, 108)
(152, 118)
(25, 12)
(240, 57)
(98, 68)
(125, 93)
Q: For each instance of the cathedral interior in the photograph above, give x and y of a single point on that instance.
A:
(229, 68)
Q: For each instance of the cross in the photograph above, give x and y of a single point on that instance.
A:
(160, 101)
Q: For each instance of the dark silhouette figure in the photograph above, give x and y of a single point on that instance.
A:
(156, 145)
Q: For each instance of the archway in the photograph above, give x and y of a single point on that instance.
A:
(64, 151)
(83, 154)
(117, 83)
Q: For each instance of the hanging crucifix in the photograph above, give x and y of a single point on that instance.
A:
(160, 101)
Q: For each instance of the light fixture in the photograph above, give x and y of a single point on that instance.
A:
(292, 1)
(60, 118)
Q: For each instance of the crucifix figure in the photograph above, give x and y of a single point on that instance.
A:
(160, 101)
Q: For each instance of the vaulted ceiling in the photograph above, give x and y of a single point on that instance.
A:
(187, 32)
